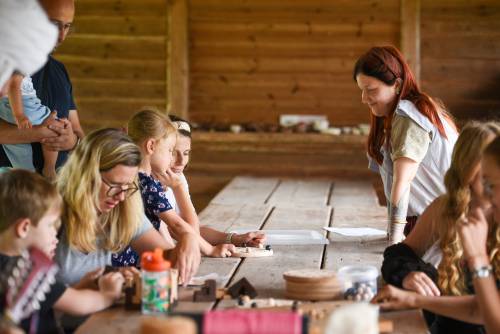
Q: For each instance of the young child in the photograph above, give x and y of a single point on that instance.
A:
(24, 108)
(182, 152)
(156, 136)
(34, 224)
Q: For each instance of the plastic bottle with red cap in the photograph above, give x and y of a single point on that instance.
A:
(155, 282)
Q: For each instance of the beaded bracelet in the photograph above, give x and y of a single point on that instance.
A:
(229, 236)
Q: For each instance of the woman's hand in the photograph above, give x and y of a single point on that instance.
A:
(222, 250)
(251, 239)
(473, 231)
(392, 298)
(111, 284)
(167, 178)
(186, 256)
(89, 280)
(420, 283)
(129, 272)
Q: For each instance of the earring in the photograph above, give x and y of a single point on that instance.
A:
(397, 91)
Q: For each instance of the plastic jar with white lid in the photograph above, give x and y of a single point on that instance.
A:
(359, 282)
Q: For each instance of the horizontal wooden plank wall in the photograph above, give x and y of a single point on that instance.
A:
(218, 157)
(117, 59)
(460, 51)
(254, 60)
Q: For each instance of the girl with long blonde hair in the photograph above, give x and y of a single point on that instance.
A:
(103, 211)
(435, 242)
(156, 136)
(476, 236)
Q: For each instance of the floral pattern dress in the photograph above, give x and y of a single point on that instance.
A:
(155, 202)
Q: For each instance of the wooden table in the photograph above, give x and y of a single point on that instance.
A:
(273, 203)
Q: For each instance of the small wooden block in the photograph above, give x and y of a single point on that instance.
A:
(133, 292)
(207, 293)
(252, 252)
(242, 288)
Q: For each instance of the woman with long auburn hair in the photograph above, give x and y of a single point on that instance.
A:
(411, 136)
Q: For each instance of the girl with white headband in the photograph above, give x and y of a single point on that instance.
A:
(182, 152)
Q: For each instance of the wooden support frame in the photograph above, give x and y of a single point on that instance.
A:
(178, 58)
(410, 34)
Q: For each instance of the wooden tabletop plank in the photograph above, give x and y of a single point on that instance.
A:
(353, 192)
(344, 250)
(266, 273)
(406, 322)
(299, 192)
(246, 189)
(284, 217)
(226, 217)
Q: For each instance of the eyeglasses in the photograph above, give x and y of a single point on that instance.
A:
(117, 190)
(66, 27)
(487, 188)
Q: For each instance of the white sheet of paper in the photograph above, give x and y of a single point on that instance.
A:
(356, 231)
(290, 237)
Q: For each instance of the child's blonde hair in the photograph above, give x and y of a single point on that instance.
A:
(80, 183)
(25, 194)
(469, 147)
(150, 123)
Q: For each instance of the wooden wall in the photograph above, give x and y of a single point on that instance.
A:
(117, 58)
(254, 60)
(461, 55)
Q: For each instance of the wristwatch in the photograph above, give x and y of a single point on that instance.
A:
(482, 272)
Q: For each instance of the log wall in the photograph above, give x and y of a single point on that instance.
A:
(117, 58)
(254, 60)
(461, 55)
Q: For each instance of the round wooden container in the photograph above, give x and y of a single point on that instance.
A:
(171, 325)
(312, 284)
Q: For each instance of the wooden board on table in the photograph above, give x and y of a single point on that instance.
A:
(299, 192)
(245, 189)
(266, 274)
(355, 205)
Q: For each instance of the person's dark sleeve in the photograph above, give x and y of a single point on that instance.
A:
(72, 104)
(400, 260)
(56, 291)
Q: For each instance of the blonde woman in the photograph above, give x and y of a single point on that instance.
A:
(435, 238)
(103, 210)
(474, 233)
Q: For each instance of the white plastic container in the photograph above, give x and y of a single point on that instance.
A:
(359, 282)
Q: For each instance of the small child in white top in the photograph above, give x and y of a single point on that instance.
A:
(23, 108)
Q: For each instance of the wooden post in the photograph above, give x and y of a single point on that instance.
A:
(178, 61)
(410, 34)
